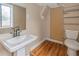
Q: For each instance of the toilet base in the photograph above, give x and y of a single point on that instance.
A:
(71, 52)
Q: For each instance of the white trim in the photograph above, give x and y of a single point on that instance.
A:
(54, 40)
(37, 45)
(12, 22)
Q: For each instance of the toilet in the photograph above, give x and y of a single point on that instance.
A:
(71, 42)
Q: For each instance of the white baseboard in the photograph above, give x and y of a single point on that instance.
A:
(53, 40)
(37, 44)
(44, 40)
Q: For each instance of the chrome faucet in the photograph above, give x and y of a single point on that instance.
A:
(15, 31)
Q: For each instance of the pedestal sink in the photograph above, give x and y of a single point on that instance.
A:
(18, 40)
(16, 43)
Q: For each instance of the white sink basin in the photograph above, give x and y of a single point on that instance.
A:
(18, 42)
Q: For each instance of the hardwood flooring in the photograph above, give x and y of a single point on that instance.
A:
(48, 48)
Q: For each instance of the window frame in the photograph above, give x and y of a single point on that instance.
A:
(11, 14)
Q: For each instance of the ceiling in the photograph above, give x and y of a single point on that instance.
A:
(51, 5)
(21, 4)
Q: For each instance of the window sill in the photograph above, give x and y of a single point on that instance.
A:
(4, 27)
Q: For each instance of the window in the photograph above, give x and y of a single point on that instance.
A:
(5, 16)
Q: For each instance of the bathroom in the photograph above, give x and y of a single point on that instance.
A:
(37, 19)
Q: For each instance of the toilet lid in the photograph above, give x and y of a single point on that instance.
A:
(72, 44)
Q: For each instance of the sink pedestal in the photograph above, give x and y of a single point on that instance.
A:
(21, 52)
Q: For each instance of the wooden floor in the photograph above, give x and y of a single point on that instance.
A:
(48, 48)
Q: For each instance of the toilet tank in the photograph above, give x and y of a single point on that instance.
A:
(71, 34)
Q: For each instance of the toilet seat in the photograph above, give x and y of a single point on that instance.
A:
(73, 44)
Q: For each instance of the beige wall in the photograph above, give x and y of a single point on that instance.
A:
(57, 24)
(19, 19)
(46, 25)
(19, 16)
(4, 30)
(34, 22)
(71, 23)
(68, 5)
